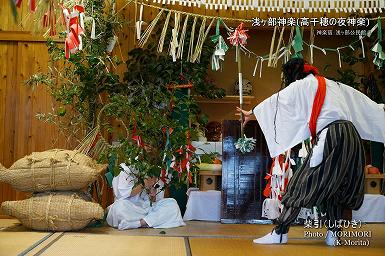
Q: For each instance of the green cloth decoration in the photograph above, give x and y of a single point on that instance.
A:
(245, 145)
(379, 55)
(167, 159)
(297, 44)
(110, 169)
(220, 48)
(109, 177)
(13, 9)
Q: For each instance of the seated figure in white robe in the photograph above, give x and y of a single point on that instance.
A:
(133, 208)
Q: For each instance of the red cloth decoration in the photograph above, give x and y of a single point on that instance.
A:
(45, 20)
(239, 36)
(79, 8)
(74, 29)
(32, 5)
(163, 176)
(137, 138)
(170, 130)
(267, 190)
(308, 68)
(18, 3)
(191, 148)
(317, 105)
(180, 151)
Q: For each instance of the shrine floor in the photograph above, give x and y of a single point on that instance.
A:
(197, 239)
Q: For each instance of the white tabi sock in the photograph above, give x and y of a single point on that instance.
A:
(272, 238)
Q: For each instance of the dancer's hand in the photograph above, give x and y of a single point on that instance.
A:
(150, 182)
(152, 194)
(248, 115)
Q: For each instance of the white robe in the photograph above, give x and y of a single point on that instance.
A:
(164, 213)
(295, 103)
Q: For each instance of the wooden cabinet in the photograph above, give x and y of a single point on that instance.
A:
(243, 175)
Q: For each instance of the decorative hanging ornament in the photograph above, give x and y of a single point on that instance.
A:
(167, 160)
(245, 145)
(297, 44)
(139, 23)
(239, 36)
(75, 29)
(174, 37)
(379, 55)
(220, 48)
(17, 3)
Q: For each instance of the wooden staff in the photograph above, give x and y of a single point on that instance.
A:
(240, 83)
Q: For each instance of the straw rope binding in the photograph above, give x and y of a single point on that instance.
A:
(55, 211)
(55, 169)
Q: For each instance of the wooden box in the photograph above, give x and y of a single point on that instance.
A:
(210, 180)
(373, 183)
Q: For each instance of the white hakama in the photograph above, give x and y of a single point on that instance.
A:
(128, 210)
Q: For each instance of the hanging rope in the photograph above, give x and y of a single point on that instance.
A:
(191, 45)
(181, 39)
(146, 34)
(276, 51)
(276, 55)
(164, 31)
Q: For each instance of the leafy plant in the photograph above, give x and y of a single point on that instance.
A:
(157, 119)
(77, 84)
(348, 75)
(209, 157)
(153, 108)
(195, 72)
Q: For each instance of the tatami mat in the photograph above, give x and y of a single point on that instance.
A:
(14, 243)
(91, 245)
(201, 238)
(192, 229)
(295, 247)
(215, 229)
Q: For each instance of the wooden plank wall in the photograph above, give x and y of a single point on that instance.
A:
(20, 132)
(22, 54)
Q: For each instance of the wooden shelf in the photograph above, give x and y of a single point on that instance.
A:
(247, 100)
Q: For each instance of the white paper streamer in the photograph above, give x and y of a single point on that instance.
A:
(311, 51)
(370, 32)
(256, 66)
(92, 36)
(362, 45)
(260, 69)
(139, 23)
(111, 43)
(339, 56)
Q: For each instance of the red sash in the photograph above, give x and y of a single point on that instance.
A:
(317, 105)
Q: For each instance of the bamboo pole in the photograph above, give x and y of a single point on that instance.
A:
(240, 83)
